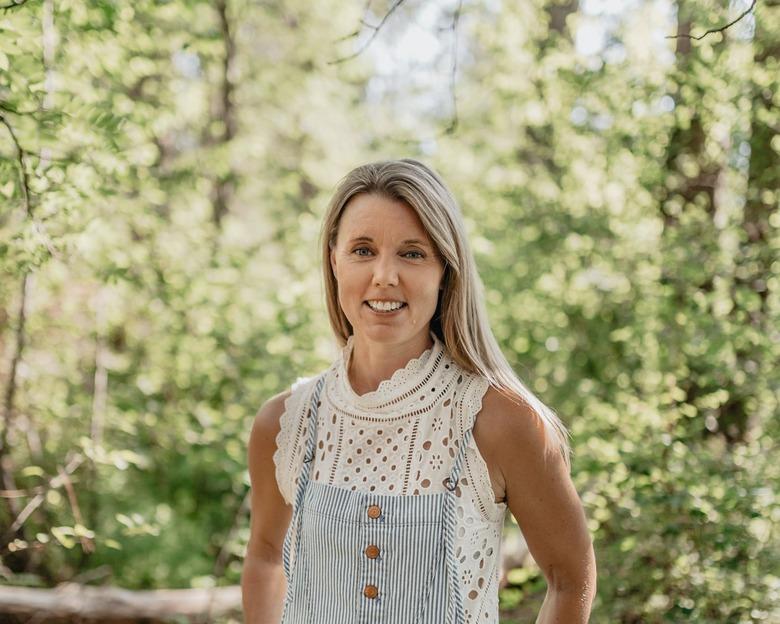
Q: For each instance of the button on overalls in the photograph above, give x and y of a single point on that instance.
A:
(364, 558)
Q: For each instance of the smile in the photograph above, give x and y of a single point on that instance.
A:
(385, 308)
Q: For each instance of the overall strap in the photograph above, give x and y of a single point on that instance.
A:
(311, 436)
(455, 612)
(452, 481)
(295, 522)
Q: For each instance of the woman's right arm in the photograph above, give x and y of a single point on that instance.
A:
(263, 585)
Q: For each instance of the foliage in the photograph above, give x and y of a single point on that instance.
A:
(159, 231)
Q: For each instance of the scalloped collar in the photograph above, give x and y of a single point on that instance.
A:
(393, 393)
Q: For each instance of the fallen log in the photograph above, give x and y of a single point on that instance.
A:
(108, 604)
(112, 605)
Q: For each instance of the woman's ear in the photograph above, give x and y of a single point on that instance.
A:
(333, 262)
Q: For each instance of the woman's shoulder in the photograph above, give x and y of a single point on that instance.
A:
(507, 427)
(270, 412)
(505, 411)
(280, 421)
(279, 410)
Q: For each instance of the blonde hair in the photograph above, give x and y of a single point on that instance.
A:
(461, 319)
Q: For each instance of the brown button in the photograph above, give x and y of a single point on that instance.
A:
(370, 591)
(372, 552)
(374, 511)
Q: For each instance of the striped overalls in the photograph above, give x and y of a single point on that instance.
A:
(363, 558)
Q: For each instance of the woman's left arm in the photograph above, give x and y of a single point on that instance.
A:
(542, 498)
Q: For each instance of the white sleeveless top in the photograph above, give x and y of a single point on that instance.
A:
(401, 439)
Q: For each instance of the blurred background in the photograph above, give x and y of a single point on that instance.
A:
(164, 168)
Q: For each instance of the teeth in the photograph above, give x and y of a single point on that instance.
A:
(385, 305)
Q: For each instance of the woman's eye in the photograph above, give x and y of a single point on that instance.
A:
(415, 255)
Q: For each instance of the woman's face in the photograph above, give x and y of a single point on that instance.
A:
(383, 252)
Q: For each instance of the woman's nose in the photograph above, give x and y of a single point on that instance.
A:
(385, 271)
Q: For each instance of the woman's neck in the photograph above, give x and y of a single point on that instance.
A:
(371, 363)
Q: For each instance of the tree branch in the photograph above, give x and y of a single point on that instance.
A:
(13, 5)
(363, 22)
(376, 29)
(9, 109)
(54, 483)
(86, 544)
(715, 30)
(37, 225)
(22, 168)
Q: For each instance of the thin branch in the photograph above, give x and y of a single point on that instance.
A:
(86, 544)
(38, 226)
(54, 483)
(376, 30)
(19, 493)
(22, 168)
(716, 30)
(10, 109)
(363, 22)
(13, 5)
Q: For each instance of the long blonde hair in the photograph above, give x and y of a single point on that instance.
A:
(461, 319)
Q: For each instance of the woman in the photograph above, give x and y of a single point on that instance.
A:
(380, 486)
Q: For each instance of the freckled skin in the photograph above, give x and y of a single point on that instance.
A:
(385, 268)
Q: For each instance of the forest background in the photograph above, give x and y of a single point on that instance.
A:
(164, 167)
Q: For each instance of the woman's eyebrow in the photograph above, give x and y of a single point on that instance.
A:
(408, 241)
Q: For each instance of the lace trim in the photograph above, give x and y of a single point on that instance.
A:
(475, 465)
(402, 384)
(370, 416)
(292, 427)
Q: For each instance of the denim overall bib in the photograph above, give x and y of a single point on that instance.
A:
(364, 558)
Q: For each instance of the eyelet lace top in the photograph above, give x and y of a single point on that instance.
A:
(402, 439)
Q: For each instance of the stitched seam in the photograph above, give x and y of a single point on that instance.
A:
(361, 522)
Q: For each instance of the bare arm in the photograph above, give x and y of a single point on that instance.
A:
(263, 585)
(542, 498)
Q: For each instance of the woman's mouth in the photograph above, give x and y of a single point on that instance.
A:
(385, 308)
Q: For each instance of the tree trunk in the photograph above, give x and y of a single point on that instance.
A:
(223, 185)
